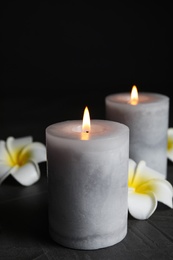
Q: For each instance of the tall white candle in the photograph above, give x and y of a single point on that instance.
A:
(147, 119)
(87, 183)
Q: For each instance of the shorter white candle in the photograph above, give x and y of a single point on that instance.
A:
(147, 117)
(87, 183)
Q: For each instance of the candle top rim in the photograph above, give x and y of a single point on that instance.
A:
(144, 98)
(100, 129)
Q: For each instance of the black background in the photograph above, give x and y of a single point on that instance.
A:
(59, 56)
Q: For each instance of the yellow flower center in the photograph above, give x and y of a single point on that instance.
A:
(17, 159)
(170, 144)
(137, 185)
(137, 189)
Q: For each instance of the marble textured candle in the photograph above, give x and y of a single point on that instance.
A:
(87, 183)
(148, 123)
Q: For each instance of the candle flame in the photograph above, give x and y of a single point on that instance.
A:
(85, 125)
(134, 96)
(86, 121)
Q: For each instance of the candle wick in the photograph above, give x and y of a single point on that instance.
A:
(86, 131)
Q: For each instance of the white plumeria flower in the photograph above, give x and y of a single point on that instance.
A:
(20, 157)
(146, 187)
(170, 144)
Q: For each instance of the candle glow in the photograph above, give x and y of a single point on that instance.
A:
(134, 96)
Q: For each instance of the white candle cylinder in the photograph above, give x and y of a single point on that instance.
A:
(87, 183)
(148, 124)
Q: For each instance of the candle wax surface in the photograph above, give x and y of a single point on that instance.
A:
(100, 129)
(143, 98)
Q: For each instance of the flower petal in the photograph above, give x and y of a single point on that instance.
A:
(170, 144)
(35, 152)
(131, 171)
(27, 174)
(3, 152)
(162, 189)
(15, 145)
(141, 206)
(144, 174)
(5, 171)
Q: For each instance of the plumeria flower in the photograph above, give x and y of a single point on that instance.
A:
(146, 187)
(170, 144)
(19, 158)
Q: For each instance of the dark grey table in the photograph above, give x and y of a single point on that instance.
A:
(24, 229)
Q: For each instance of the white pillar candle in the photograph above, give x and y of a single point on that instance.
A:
(147, 120)
(87, 183)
